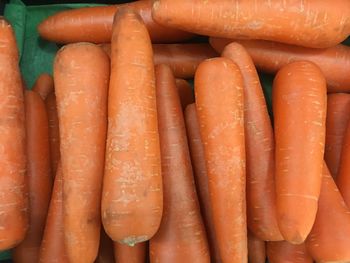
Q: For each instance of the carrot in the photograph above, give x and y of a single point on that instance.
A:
(259, 141)
(256, 249)
(43, 85)
(132, 199)
(269, 57)
(181, 235)
(282, 251)
(54, 134)
(338, 115)
(52, 246)
(329, 240)
(127, 254)
(106, 250)
(13, 182)
(39, 177)
(185, 92)
(201, 178)
(299, 104)
(94, 24)
(219, 104)
(316, 24)
(81, 74)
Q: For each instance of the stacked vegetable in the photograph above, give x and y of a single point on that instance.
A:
(114, 159)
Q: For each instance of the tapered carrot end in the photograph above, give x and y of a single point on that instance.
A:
(122, 12)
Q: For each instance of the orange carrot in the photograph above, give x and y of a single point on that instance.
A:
(338, 115)
(259, 141)
(132, 198)
(13, 182)
(43, 85)
(201, 178)
(269, 57)
(282, 251)
(185, 92)
(52, 246)
(128, 254)
(94, 24)
(316, 24)
(181, 235)
(329, 240)
(81, 74)
(106, 250)
(39, 177)
(299, 104)
(219, 104)
(256, 249)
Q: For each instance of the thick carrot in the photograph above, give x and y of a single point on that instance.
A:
(132, 198)
(13, 182)
(181, 236)
(256, 249)
(39, 177)
(52, 246)
(201, 178)
(54, 134)
(185, 92)
(282, 251)
(269, 57)
(94, 24)
(220, 104)
(127, 254)
(106, 250)
(43, 85)
(316, 24)
(338, 115)
(81, 74)
(299, 104)
(259, 141)
(329, 240)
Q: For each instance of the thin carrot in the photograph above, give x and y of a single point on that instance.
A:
(299, 104)
(94, 24)
(43, 85)
(316, 24)
(106, 250)
(13, 182)
(269, 57)
(220, 104)
(52, 246)
(185, 92)
(201, 178)
(338, 115)
(329, 240)
(132, 198)
(39, 177)
(127, 254)
(181, 236)
(259, 141)
(81, 74)
(256, 249)
(282, 251)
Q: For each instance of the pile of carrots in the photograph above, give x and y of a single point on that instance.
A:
(114, 159)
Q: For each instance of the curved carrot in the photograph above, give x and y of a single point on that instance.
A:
(282, 251)
(132, 199)
(343, 178)
(54, 133)
(299, 104)
(329, 240)
(261, 196)
(185, 92)
(269, 57)
(127, 254)
(256, 249)
(13, 182)
(316, 24)
(81, 74)
(43, 85)
(219, 104)
(181, 235)
(201, 178)
(39, 177)
(52, 248)
(106, 250)
(94, 24)
(338, 116)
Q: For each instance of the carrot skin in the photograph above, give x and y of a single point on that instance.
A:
(256, 249)
(127, 254)
(299, 104)
(185, 92)
(282, 251)
(13, 181)
(219, 104)
(81, 74)
(43, 85)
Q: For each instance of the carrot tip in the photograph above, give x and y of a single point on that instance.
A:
(133, 240)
